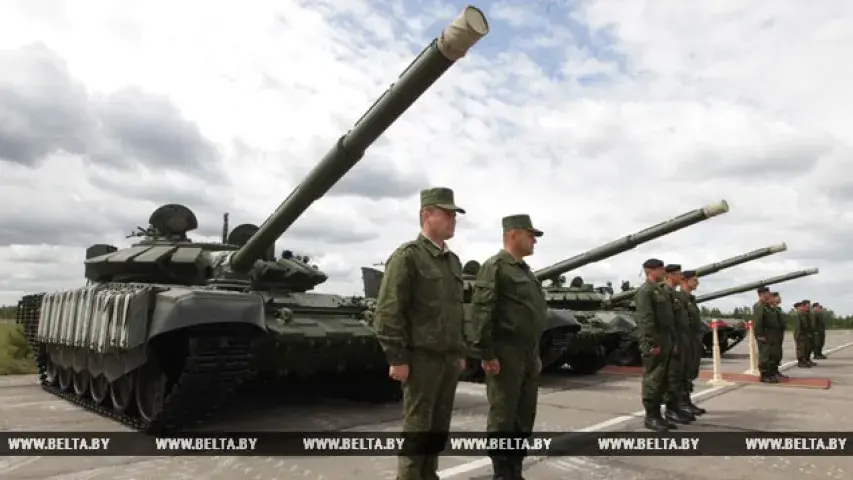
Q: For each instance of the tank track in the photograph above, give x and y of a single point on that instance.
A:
(212, 372)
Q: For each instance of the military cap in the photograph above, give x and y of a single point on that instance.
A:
(796, 305)
(689, 273)
(775, 294)
(806, 301)
(672, 268)
(817, 305)
(520, 221)
(762, 289)
(440, 197)
(653, 263)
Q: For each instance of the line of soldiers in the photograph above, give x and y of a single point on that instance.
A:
(419, 323)
(670, 329)
(770, 323)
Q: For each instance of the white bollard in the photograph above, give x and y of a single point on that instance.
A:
(717, 379)
(753, 351)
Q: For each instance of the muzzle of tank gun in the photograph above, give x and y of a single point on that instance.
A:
(466, 30)
(717, 208)
(779, 248)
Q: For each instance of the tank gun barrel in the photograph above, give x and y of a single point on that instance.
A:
(711, 268)
(632, 241)
(442, 53)
(746, 257)
(754, 285)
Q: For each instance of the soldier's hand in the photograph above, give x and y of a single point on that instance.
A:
(463, 364)
(538, 365)
(675, 350)
(399, 372)
(761, 339)
(491, 367)
(654, 351)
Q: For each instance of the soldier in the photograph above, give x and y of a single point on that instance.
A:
(819, 331)
(778, 352)
(801, 335)
(419, 319)
(682, 353)
(689, 284)
(656, 323)
(765, 323)
(807, 304)
(509, 314)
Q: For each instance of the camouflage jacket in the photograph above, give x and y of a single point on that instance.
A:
(694, 316)
(419, 307)
(679, 310)
(508, 306)
(655, 317)
(818, 323)
(802, 323)
(766, 320)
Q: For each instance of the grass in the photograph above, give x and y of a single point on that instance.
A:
(15, 356)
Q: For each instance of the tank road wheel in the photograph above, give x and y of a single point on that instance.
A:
(65, 380)
(150, 391)
(81, 381)
(99, 389)
(121, 392)
(51, 372)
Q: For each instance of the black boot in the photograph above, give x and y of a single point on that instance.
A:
(501, 468)
(802, 363)
(768, 378)
(654, 421)
(675, 414)
(820, 356)
(691, 407)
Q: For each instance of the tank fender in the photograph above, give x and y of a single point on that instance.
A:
(183, 308)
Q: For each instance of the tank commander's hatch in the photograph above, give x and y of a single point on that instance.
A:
(173, 219)
(242, 233)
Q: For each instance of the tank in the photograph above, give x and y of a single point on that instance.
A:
(604, 336)
(623, 303)
(167, 329)
(734, 332)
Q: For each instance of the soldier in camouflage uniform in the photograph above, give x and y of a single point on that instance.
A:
(778, 352)
(802, 335)
(509, 313)
(807, 305)
(419, 322)
(656, 324)
(682, 353)
(766, 324)
(819, 333)
(689, 284)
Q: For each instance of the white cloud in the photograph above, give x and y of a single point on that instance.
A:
(599, 121)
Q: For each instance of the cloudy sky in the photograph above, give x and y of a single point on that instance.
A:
(598, 118)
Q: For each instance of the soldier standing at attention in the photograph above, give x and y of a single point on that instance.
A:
(509, 313)
(801, 335)
(689, 284)
(765, 323)
(419, 325)
(682, 353)
(819, 331)
(656, 323)
(807, 304)
(778, 352)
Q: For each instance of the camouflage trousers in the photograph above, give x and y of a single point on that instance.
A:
(804, 345)
(818, 341)
(513, 393)
(680, 364)
(697, 351)
(428, 397)
(769, 354)
(659, 372)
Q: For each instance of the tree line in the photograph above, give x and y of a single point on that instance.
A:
(833, 320)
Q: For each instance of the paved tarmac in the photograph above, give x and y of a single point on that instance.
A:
(597, 402)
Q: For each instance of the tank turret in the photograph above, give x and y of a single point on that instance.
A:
(168, 328)
(626, 296)
(632, 241)
(755, 285)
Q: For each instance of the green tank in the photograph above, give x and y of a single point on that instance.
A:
(167, 329)
(604, 335)
(623, 301)
(735, 331)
